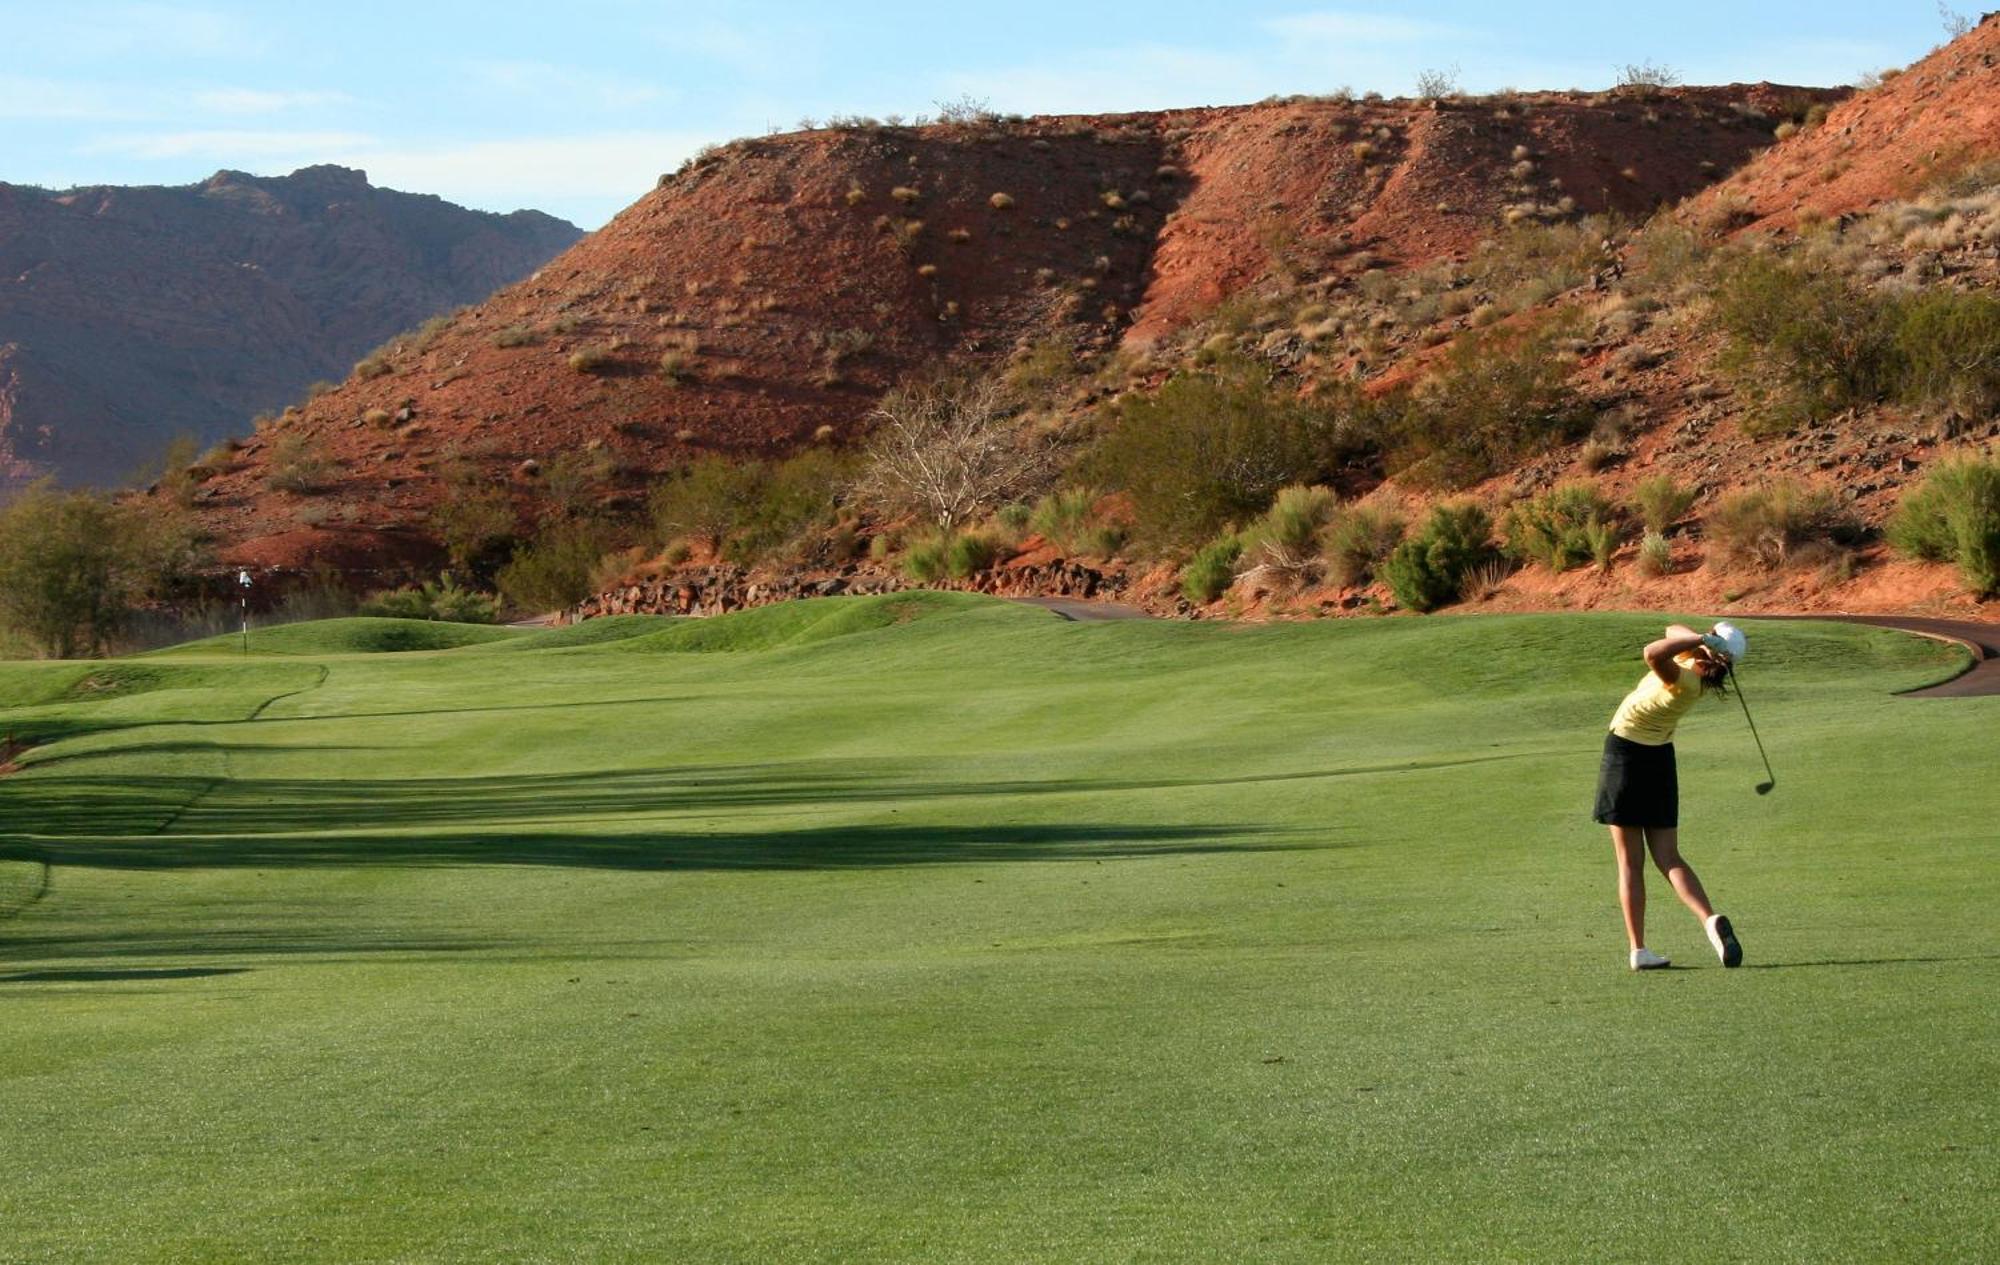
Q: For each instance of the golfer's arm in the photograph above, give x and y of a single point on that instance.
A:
(1660, 654)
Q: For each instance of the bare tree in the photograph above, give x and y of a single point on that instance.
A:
(949, 451)
(1955, 23)
(1432, 84)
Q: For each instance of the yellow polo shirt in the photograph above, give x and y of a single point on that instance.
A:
(1650, 712)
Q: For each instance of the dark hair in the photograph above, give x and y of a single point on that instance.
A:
(1714, 674)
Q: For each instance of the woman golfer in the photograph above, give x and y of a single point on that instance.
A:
(1638, 795)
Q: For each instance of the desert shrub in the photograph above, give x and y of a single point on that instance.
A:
(1804, 343)
(924, 557)
(1428, 570)
(1528, 263)
(591, 359)
(792, 500)
(1068, 519)
(676, 366)
(1954, 516)
(1208, 574)
(1655, 554)
(1491, 403)
(1647, 74)
(1949, 344)
(555, 569)
(374, 365)
(441, 599)
(473, 517)
(966, 554)
(1780, 524)
(1288, 537)
(297, 464)
(74, 566)
(1659, 502)
(1808, 343)
(516, 336)
(706, 500)
(1359, 540)
(569, 478)
(749, 510)
(1207, 449)
(1562, 528)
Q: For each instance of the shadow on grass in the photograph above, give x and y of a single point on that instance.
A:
(99, 805)
(1795, 966)
(103, 974)
(822, 848)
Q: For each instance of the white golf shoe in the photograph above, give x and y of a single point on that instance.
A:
(1723, 937)
(1644, 959)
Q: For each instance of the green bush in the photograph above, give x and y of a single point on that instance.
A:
(1803, 343)
(1955, 517)
(1659, 502)
(74, 566)
(1568, 526)
(1427, 571)
(1950, 349)
(474, 517)
(1493, 401)
(1781, 524)
(706, 500)
(1359, 540)
(924, 557)
(1287, 537)
(554, 570)
(1207, 449)
(1808, 343)
(792, 501)
(1069, 520)
(1208, 574)
(968, 553)
(440, 599)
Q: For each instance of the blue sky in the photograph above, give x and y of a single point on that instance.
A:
(576, 107)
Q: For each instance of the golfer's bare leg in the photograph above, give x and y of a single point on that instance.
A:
(1665, 843)
(1629, 843)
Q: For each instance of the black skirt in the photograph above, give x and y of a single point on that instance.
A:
(1637, 785)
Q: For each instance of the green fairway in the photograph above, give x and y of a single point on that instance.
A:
(933, 928)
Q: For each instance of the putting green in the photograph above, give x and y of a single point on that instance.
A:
(933, 928)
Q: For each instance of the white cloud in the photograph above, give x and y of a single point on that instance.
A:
(225, 145)
(25, 97)
(540, 81)
(769, 52)
(1348, 27)
(1115, 79)
(167, 30)
(253, 101)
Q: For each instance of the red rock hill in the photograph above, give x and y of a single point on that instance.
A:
(778, 286)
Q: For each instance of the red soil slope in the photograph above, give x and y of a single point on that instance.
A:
(1933, 120)
(793, 279)
(128, 315)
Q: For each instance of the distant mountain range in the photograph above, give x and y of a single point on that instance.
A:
(130, 315)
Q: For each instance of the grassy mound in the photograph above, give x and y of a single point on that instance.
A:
(818, 619)
(592, 632)
(360, 634)
(984, 935)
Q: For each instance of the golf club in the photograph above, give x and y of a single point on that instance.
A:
(1764, 787)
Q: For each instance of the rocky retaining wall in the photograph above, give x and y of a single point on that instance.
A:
(716, 590)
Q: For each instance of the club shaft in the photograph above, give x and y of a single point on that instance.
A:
(1753, 725)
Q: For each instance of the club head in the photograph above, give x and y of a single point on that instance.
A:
(1764, 788)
